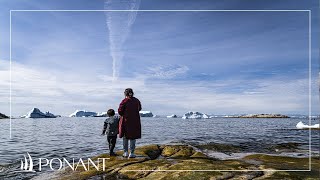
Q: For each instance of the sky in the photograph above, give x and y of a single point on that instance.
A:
(211, 62)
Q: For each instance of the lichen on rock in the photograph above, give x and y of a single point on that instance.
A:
(184, 162)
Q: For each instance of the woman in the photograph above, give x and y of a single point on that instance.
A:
(130, 125)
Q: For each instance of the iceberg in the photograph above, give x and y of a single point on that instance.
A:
(300, 125)
(101, 114)
(104, 114)
(172, 116)
(146, 114)
(156, 116)
(195, 115)
(83, 113)
(36, 113)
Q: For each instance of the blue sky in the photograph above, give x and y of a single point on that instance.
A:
(212, 62)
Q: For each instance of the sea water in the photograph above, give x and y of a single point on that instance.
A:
(81, 137)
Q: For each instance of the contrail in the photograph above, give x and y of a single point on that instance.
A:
(119, 24)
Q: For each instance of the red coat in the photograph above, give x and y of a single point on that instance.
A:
(130, 125)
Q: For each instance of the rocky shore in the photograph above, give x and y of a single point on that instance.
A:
(3, 116)
(185, 162)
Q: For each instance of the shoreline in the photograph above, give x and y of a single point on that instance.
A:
(184, 161)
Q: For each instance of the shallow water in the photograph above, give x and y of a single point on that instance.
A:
(80, 137)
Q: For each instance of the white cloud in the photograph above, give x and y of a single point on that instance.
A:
(63, 92)
(167, 71)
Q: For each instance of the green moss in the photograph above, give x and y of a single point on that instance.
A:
(184, 152)
(179, 158)
(151, 151)
(199, 155)
(289, 163)
(281, 162)
(225, 148)
(177, 151)
(168, 151)
(184, 175)
(136, 171)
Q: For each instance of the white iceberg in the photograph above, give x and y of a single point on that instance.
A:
(172, 116)
(300, 125)
(101, 114)
(104, 114)
(195, 115)
(146, 114)
(83, 113)
(36, 113)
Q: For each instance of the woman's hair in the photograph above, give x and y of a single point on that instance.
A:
(128, 92)
(111, 112)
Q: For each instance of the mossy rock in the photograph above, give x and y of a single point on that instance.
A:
(292, 147)
(225, 148)
(112, 165)
(151, 151)
(288, 163)
(177, 151)
(280, 162)
(199, 155)
(136, 171)
(182, 175)
(183, 162)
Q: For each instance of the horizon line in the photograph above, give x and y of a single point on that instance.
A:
(161, 10)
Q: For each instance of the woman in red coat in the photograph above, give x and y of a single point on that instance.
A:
(129, 125)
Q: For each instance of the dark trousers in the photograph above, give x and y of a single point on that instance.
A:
(112, 140)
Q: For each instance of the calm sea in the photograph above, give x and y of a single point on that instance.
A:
(80, 137)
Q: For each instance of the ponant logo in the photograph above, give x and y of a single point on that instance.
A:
(27, 164)
(57, 164)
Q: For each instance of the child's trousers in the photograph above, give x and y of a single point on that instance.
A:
(112, 140)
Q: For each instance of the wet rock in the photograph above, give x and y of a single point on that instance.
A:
(172, 161)
(152, 151)
(224, 148)
(285, 147)
(3, 116)
(177, 151)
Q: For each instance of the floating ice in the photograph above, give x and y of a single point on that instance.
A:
(300, 125)
(146, 114)
(195, 115)
(36, 113)
(172, 116)
(83, 113)
(104, 114)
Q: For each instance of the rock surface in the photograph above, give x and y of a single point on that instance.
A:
(36, 113)
(3, 116)
(83, 113)
(195, 115)
(169, 161)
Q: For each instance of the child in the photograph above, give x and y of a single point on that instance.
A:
(110, 128)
